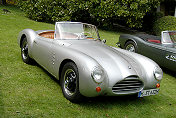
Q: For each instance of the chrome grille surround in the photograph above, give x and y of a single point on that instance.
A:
(131, 84)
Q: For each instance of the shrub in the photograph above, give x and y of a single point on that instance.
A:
(91, 11)
(164, 23)
(12, 2)
(45, 10)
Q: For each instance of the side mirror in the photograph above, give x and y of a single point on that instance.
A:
(104, 40)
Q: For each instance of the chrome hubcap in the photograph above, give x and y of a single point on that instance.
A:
(130, 48)
(70, 82)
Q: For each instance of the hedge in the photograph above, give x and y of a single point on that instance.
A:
(92, 11)
(164, 23)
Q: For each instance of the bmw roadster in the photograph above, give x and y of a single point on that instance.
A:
(85, 65)
(160, 49)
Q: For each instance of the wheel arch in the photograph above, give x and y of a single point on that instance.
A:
(124, 38)
(62, 65)
(130, 40)
(134, 41)
(21, 39)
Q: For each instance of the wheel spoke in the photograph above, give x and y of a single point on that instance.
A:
(70, 82)
(130, 48)
(26, 48)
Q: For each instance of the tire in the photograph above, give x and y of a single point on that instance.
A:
(24, 52)
(131, 46)
(70, 82)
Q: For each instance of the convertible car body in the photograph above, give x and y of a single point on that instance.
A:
(85, 66)
(160, 49)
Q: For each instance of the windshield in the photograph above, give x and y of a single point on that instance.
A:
(169, 36)
(75, 30)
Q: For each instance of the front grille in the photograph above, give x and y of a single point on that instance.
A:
(128, 85)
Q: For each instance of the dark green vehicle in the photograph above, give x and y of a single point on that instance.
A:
(160, 49)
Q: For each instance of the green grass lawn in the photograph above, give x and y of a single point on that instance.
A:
(29, 91)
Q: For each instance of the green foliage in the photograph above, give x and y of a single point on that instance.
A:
(94, 11)
(4, 2)
(45, 10)
(164, 23)
(12, 2)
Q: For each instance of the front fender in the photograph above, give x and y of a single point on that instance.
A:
(85, 64)
(86, 83)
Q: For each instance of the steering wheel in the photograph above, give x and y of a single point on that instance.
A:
(86, 35)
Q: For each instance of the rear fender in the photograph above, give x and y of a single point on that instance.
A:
(30, 35)
(124, 38)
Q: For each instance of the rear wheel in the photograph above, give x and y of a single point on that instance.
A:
(24, 52)
(70, 82)
(131, 46)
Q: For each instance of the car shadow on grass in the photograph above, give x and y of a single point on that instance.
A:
(126, 99)
(45, 71)
(169, 72)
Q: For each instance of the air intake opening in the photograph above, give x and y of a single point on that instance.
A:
(131, 84)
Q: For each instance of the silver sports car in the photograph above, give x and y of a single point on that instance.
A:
(85, 65)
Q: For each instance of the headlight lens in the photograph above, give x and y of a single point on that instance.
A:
(158, 73)
(98, 74)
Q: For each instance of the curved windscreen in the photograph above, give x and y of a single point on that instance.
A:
(75, 30)
(169, 36)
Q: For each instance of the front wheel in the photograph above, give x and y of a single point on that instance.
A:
(70, 82)
(131, 46)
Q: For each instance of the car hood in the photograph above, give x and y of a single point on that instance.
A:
(115, 63)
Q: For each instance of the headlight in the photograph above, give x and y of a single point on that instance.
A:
(158, 73)
(97, 74)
